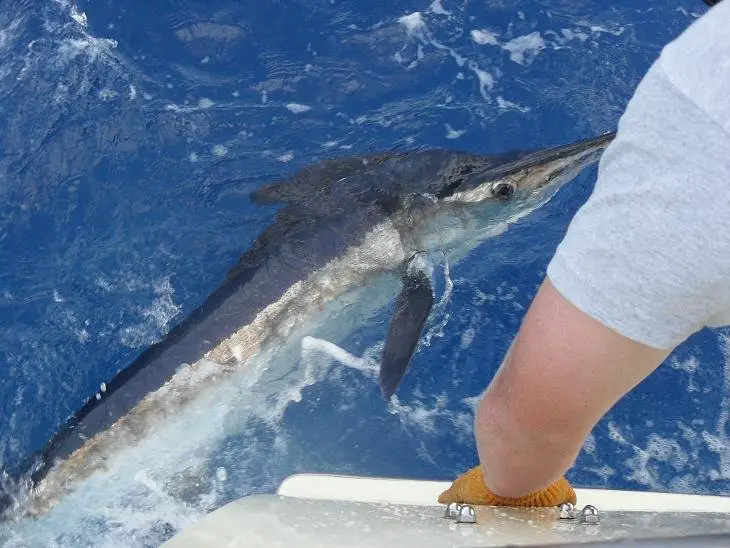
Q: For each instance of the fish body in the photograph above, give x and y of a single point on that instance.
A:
(341, 223)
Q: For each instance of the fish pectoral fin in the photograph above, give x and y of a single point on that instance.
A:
(411, 312)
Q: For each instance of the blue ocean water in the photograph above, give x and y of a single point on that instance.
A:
(131, 135)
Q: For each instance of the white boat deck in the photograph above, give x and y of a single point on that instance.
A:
(323, 511)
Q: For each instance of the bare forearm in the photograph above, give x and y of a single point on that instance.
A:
(563, 372)
(516, 459)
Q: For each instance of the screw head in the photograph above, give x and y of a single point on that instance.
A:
(566, 511)
(589, 515)
(466, 515)
(452, 510)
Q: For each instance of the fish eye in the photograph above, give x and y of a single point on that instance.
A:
(503, 190)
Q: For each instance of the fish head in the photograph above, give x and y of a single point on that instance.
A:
(526, 177)
(496, 191)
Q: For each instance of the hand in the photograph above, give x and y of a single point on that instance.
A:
(471, 489)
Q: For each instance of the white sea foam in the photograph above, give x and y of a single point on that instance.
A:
(220, 150)
(484, 37)
(156, 317)
(722, 445)
(312, 344)
(524, 49)
(417, 30)
(297, 108)
(437, 7)
(414, 24)
(486, 80)
(684, 448)
(504, 104)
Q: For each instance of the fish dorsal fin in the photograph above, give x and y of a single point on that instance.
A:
(317, 179)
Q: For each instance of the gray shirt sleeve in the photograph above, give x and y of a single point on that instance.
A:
(648, 254)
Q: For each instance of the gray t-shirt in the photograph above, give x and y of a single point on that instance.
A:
(648, 254)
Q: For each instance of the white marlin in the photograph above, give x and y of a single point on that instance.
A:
(342, 223)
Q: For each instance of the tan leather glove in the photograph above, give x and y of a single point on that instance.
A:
(470, 488)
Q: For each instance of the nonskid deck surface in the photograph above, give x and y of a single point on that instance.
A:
(320, 510)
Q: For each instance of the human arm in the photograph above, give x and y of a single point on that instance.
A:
(645, 263)
(563, 372)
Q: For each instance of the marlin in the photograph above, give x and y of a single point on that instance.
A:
(340, 223)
